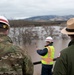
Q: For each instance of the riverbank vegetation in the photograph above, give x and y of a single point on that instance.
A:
(25, 32)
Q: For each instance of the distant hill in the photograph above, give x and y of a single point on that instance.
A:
(50, 18)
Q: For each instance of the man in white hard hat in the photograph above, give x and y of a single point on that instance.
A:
(47, 55)
(12, 60)
(65, 63)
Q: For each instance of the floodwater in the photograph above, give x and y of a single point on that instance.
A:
(59, 44)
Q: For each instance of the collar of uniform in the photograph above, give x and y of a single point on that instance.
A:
(4, 38)
(49, 44)
(71, 43)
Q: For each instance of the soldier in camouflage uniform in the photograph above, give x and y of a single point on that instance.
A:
(12, 59)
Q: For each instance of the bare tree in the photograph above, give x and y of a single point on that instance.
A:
(49, 30)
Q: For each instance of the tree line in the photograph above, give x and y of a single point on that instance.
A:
(26, 31)
(22, 23)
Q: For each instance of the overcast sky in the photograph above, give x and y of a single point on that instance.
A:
(29, 8)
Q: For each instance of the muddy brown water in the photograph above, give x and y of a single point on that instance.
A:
(59, 44)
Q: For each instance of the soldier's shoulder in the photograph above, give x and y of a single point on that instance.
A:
(20, 51)
(65, 50)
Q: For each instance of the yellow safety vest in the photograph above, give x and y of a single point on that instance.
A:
(48, 58)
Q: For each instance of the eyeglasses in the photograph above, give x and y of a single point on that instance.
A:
(4, 26)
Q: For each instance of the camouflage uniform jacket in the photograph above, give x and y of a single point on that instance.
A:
(12, 59)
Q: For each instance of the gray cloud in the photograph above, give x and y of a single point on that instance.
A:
(27, 8)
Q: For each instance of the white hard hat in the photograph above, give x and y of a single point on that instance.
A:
(50, 39)
(4, 20)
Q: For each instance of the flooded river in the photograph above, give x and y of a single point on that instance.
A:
(59, 44)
